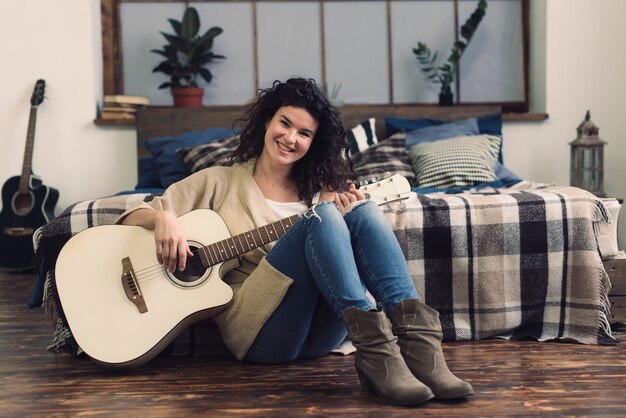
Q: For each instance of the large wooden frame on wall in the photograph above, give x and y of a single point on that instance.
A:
(113, 78)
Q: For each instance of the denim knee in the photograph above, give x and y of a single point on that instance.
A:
(323, 210)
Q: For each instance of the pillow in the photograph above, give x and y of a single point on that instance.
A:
(209, 155)
(148, 174)
(388, 155)
(362, 136)
(506, 176)
(489, 124)
(171, 167)
(455, 162)
(432, 133)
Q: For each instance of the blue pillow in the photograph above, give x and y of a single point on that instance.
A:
(148, 174)
(465, 127)
(505, 175)
(170, 166)
(488, 124)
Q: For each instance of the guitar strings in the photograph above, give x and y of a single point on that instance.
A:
(155, 271)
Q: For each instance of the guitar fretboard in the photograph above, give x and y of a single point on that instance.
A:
(28, 152)
(234, 246)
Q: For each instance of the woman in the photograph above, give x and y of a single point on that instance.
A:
(299, 298)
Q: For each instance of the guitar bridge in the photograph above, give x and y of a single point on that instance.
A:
(131, 286)
(18, 232)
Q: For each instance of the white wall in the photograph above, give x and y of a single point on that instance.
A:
(585, 63)
(60, 42)
(583, 55)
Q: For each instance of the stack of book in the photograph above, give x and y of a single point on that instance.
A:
(122, 107)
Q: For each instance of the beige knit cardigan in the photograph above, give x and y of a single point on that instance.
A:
(258, 288)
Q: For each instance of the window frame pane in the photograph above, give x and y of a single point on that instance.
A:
(113, 76)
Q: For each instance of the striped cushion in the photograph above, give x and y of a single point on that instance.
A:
(389, 155)
(455, 162)
(208, 155)
(362, 136)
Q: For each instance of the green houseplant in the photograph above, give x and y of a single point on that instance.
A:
(187, 54)
(444, 74)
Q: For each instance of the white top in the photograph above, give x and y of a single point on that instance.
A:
(287, 209)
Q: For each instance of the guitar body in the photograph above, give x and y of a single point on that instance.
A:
(22, 214)
(106, 324)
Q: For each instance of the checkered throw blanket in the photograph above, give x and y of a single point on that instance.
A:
(509, 263)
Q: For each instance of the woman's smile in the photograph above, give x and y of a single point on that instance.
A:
(284, 147)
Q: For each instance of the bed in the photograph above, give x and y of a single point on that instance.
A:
(496, 255)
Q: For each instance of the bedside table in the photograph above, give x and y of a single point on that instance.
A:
(616, 269)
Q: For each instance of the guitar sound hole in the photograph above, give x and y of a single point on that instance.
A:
(22, 203)
(194, 273)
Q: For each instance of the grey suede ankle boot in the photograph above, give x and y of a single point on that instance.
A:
(419, 335)
(378, 361)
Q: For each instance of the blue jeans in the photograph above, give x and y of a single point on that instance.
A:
(333, 259)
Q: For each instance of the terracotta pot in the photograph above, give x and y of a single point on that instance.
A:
(187, 96)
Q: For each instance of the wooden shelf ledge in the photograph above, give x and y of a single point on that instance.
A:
(115, 122)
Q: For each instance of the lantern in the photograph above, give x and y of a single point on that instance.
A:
(587, 158)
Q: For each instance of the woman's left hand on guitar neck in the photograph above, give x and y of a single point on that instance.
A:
(344, 199)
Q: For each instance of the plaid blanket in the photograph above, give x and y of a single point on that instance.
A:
(509, 263)
(512, 263)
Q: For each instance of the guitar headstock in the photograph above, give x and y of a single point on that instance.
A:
(387, 189)
(38, 92)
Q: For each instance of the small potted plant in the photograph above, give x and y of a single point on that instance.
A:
(187, 55)
(445, 73)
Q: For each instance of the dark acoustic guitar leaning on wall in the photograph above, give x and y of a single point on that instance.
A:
(27, 203)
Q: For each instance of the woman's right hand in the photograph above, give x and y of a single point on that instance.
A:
(171, 244)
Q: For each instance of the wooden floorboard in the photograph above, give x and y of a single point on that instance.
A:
(521, 378)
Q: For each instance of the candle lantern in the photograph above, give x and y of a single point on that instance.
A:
(587, 158)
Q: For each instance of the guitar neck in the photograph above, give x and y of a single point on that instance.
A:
(237, 245)
(28, 152)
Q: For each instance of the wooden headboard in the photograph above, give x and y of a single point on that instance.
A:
(159, 121)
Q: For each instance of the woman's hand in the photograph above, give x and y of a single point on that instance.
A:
(171, 245)
(345, 199)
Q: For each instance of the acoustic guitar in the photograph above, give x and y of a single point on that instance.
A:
(123, 307)
(27, 203)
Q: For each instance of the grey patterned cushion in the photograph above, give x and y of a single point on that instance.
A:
(455, 162)
(389, 155)
(208, 155)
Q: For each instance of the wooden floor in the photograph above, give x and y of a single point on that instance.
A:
(510, 378)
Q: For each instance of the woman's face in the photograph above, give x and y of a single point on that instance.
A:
(289, 135)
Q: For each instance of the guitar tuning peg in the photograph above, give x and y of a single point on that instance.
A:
(386, 174)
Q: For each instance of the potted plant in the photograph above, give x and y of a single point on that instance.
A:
(187, 55)
(445, 73)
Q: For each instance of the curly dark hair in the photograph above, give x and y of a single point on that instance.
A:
(324, 165)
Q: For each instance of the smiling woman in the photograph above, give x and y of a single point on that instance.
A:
(376, 35)
(300, 297)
